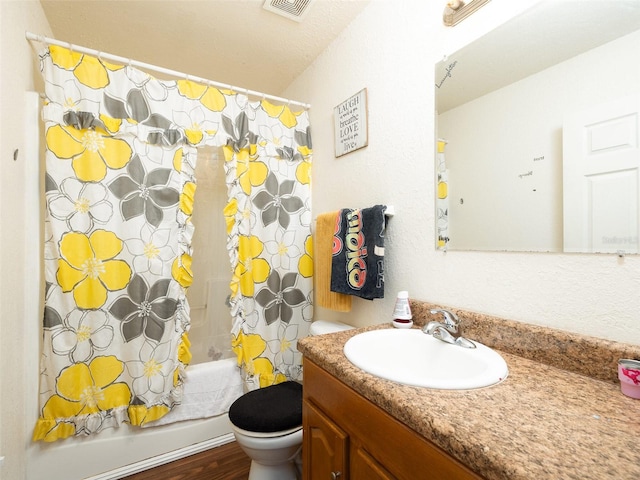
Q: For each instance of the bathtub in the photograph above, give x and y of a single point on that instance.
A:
(199, 423)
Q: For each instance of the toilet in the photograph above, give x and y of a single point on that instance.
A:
(267, 423)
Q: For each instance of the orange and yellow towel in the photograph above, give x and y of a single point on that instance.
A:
(323, 250)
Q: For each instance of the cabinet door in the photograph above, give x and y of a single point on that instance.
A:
(364, 467)
(369, 432)
(325, 447)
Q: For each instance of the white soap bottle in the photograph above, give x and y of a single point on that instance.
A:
(402, 317)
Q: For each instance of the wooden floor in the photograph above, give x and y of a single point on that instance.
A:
(227, 462)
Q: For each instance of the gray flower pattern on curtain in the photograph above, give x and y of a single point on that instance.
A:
(277, 201)
(142, 193)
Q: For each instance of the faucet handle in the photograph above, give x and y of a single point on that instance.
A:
(450, 318)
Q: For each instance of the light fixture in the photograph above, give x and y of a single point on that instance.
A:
(457, 10)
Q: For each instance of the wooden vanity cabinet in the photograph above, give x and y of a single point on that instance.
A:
(346, 437)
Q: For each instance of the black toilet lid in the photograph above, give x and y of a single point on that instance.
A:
(270, 409)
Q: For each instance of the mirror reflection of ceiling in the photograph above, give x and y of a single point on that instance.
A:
(547, 34)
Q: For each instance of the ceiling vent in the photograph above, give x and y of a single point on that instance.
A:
(291, 9)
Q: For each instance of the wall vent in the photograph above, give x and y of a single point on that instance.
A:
(291, 9)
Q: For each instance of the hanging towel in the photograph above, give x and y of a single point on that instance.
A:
(209, 390)
(357, 266)
(323, 249)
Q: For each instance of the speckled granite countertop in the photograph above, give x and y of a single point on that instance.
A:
(542, 422)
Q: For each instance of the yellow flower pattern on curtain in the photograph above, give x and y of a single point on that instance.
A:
(121, 148)
(267, 164)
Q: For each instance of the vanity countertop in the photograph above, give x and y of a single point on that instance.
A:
(541, 422)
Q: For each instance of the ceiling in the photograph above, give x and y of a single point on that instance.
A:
(236, 42)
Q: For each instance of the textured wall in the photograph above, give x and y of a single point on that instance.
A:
(18, 75)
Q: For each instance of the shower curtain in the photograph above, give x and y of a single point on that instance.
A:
(121, 148)
(267, 163)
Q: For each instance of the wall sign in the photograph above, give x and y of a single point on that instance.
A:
(350, 124)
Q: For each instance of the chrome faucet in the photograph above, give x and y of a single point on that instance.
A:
(447, 331)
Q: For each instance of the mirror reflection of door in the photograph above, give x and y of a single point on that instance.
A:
(601, 178)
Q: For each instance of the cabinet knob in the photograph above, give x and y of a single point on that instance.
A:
(335, 475)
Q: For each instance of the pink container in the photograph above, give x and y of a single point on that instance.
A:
(629, 375)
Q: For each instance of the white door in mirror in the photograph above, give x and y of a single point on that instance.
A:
(601, 178)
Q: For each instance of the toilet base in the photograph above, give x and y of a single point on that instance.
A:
(283, 471)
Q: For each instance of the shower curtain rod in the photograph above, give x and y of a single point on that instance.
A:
(166, 71)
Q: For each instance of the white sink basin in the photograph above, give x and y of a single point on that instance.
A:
(415, 358)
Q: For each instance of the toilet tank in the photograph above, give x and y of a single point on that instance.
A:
(322, 326)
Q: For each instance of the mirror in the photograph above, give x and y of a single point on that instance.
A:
(539, 133)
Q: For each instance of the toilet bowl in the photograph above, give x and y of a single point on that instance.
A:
(267, 423)
(272, 455)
